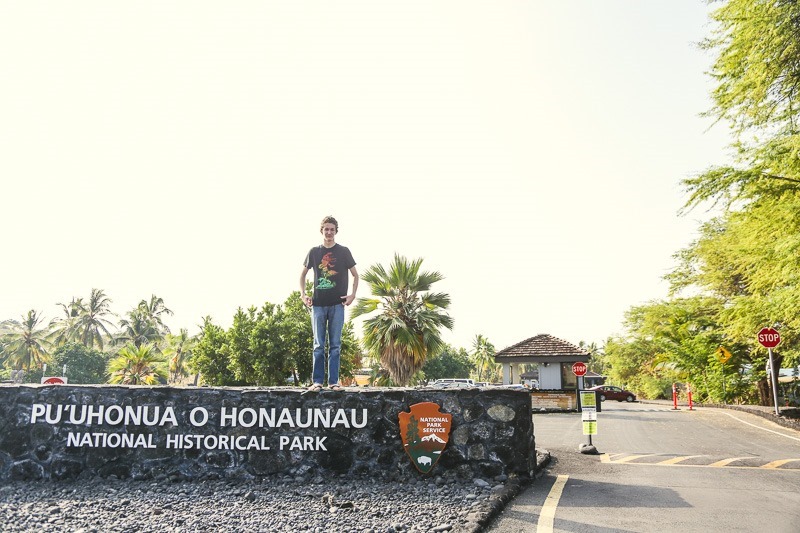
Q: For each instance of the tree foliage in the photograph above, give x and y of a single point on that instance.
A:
(756, 70)
(449, 363)
(65, 329)
(26, 343)
(258, 355)
(483, 357)
(178, 352)
(144, 324)
(757, 75)
(137, 365)
(210, 357)
(93, 323)
(267, 347)
(84, 365)
(406, 329)
(743, 269)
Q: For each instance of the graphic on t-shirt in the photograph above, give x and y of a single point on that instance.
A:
(326, 269)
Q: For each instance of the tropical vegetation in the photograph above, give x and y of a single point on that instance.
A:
(742, 273)
(406, 329)
(136, 365)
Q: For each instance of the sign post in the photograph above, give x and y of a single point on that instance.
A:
(579, 369)
(770, 338)
(589, 419)
(723, 356)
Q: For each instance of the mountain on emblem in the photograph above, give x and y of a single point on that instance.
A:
(425, 432)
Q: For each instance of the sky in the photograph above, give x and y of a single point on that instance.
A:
(531, 152)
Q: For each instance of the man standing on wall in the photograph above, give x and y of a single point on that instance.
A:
(331, 263)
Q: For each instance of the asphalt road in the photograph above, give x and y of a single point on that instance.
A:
(663, 471)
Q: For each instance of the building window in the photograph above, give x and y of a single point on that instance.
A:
(568, 379)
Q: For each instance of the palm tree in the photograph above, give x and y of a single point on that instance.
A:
(406, 329)
(153, 311)
(138, 329)
(65, 329)
(136, 366)
(26, 344)
(92, 324)
(483, 352)
(179, 350)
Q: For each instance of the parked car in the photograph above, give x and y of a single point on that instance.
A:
(447, 381)
(452, 385)
(607, 392)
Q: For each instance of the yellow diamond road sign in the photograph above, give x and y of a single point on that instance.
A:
(723, 355)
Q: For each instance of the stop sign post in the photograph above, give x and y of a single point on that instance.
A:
(579, 369)
(588, 412)
(770, 338)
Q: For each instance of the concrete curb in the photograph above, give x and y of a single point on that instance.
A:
(787, 422)
(499, 501)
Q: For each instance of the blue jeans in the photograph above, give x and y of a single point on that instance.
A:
(328, 320)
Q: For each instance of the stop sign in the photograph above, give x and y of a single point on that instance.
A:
(769, 337)
(579, 369)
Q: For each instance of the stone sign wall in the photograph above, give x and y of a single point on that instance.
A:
(71, 431)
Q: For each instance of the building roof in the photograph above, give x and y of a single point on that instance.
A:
(542, 348)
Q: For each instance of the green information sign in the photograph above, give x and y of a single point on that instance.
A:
(589, 399)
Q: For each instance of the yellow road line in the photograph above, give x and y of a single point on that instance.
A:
(621, 458)
(778, 464)
(676, 460)
(548, 514)
(726, 462)
(634, 457)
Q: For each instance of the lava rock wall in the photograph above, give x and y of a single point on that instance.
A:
(79, 431)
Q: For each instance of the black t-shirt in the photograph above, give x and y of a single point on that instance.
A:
(331, 267)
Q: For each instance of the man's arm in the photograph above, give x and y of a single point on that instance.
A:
(352, 296)
(306, 299)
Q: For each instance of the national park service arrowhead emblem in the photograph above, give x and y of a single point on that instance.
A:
(425, 432)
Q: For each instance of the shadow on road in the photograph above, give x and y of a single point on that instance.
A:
(583, 493)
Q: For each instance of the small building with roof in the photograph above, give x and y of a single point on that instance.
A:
(553, 356)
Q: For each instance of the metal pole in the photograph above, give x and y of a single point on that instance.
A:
(773, 381)
(724, 396)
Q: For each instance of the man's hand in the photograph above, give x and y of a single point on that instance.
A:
(306, 300)
(348, 299)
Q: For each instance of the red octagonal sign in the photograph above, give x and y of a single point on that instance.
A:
(769, 337)
(579, 369)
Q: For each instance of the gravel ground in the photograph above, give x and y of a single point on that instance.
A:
(352, 505)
